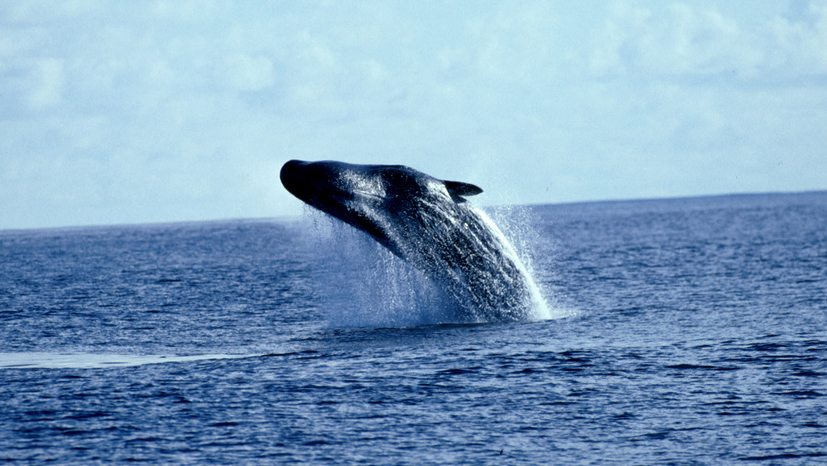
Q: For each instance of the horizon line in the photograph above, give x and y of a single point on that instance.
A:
(293, 218)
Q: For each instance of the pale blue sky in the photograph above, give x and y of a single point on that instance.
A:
(132, 112)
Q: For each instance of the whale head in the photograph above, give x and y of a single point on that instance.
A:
(373, 198)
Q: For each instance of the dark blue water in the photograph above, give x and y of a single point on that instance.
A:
(687, 331)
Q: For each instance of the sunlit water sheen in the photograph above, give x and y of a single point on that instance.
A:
(692, 332)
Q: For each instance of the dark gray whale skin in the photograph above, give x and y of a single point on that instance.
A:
(426, 222)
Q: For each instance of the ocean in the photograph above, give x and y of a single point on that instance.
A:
(677, 332)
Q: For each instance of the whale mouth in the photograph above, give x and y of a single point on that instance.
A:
(370, 195)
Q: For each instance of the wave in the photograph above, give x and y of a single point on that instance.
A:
(44, 360)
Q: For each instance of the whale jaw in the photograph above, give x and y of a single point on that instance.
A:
(327, 187)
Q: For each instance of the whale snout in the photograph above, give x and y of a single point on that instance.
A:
(294, 177)
(316, 183)
(290, 171)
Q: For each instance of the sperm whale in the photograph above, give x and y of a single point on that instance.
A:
(428, 223)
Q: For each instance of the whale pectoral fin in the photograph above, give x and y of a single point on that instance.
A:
(458, 188)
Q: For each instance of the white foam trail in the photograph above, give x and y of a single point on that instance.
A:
(41, 360)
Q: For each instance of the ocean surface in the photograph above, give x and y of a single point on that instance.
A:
(681, 331)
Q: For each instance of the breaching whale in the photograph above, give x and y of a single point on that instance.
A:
(428, 223)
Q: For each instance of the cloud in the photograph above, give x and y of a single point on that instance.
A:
(679, 39)
(46, 83)
(148, 111)
(673, 39)
(248, 73)
(798, 43)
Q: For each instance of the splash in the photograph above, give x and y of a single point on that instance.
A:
(538, 305)
(522, 228)
(365, 285)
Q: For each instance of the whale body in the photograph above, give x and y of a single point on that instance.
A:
(426, 222)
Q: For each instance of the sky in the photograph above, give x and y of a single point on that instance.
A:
(117, 112)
